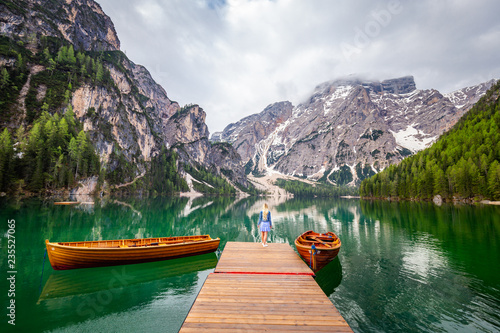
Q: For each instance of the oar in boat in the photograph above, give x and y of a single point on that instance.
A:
(319, 240)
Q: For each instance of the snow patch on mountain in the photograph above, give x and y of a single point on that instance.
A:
(360, 124)
(413, 139)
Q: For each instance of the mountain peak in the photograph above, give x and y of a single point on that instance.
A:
(401, 85)
(83, 23)
(351, 128)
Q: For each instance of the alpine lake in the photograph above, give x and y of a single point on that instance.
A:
(402, 267)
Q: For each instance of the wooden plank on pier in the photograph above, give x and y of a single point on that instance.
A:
(259, 289)
(277, 258)
(262, 302)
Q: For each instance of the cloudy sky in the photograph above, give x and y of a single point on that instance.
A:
(235, 57)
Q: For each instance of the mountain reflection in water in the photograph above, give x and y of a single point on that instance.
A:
(411, 267)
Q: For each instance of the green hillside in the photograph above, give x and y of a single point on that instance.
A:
(463, 163)
(46, 148)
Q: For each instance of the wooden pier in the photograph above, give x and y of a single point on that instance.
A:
(262, 289)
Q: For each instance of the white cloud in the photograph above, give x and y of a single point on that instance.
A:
(235, 57)
(152, 13)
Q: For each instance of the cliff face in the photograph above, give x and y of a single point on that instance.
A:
(133, 117)
(128, 116)
(350, 129)
(189, 134)
(248, 132)
(80, 22)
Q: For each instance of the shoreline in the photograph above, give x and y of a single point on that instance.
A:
(488, 202)
(438, 202)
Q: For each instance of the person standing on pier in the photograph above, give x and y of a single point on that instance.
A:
(265, 223)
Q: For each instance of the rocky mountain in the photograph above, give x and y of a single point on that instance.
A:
(461, 166)
(249, 131)
(350, 129)
(81, 22)
(128, 116)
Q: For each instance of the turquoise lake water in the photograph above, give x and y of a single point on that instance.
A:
(403, 267)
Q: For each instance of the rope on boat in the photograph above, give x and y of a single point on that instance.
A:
(313, 254)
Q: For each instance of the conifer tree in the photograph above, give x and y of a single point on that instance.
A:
(73, 153)
(99, 73)
(46, 54)
(71, 55)
(52, 65)
(5, 78)
(494, 180)
(6, 157)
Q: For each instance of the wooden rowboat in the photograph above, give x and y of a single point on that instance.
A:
(70, 255)
(316, 249)
(69, 283)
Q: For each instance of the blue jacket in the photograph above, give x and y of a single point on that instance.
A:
(267, 219)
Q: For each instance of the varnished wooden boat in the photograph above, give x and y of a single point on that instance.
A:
(70, 283)
(70, 255)
(316, 249)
